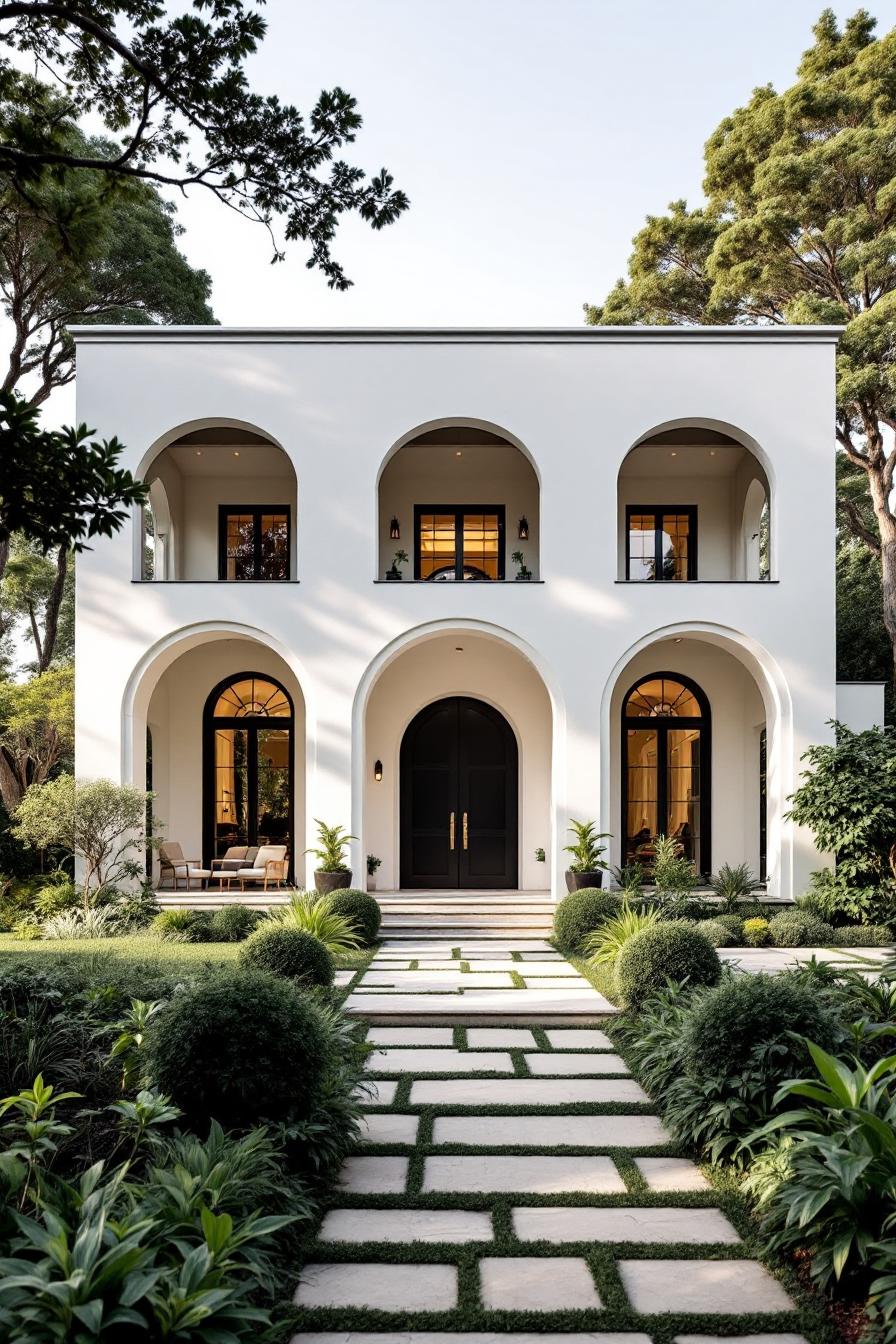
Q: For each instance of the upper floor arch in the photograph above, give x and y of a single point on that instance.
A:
(460, 498)
(695, 502)
(223, 505)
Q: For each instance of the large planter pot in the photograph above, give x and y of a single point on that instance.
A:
(327, 882)
(371, 884)
(576, 881)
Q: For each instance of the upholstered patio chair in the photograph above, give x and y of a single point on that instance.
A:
(171, 859)
(271, 864)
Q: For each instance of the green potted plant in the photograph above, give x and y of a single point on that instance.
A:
(372, 864)
(393, 572)
(586, 868)
(332, 872)
(522, 571)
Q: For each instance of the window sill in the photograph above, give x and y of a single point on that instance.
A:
(233, 583)
(465, 583)
(692, 583)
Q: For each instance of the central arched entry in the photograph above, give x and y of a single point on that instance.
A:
(459, 797)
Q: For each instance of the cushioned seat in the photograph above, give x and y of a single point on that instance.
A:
(269, 865)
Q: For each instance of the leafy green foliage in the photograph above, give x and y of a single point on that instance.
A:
(292, 952)
(182, 926)
(579, 914)
(673, 950)
(361, 911)
(799, 928)
(37, 731)
(232, 923)
(674, 876)
(586, 850)
(314, 913)
(757, 932)
(239, 1047)
(606, 942)
(719, 934)
(732, 884)
(332, 842)
(864, 935)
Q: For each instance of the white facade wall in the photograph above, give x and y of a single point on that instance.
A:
(339, 403)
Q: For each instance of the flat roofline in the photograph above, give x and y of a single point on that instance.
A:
(138, 335)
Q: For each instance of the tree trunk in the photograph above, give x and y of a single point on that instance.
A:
(51, 614)
(879, 487)
(10, 789)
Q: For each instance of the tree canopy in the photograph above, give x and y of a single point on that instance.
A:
(799, 226)
(169, 83)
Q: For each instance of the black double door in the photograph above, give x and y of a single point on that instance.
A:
(459, 797)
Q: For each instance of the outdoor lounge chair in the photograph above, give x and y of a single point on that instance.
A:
(171, 859)
(271, 864)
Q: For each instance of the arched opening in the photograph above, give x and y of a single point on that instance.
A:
(222, 506)
(248, 765)
(666, 769)
(690, 500)
(461, 501)
(458, 789)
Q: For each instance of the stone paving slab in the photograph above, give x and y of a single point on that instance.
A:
(376, 1128)
(404, 1036)
(551, 1131)
(417, 980)
(578, 1038)
(374, 1175)
(701, 1286)
(343, 978)
(665, 1175)
(740, 1339)
(527, 1283)
(382, 1287)
(556, 969)
(580, 1000)
(687, 1226)
(553, 981)
(439, 1061)
(380, 1093)
(525, 1091)
(540, 1175)
(500, 1038)
(406, 1225)
(556, 1063)
(486, 1337)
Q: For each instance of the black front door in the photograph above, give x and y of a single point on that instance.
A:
(459, 797)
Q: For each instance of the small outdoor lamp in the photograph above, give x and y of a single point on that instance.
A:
(523, 532)
(378, 771)
(394, 530)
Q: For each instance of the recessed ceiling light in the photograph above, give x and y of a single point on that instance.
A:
(673, 454)
(198, 452)
(712, 452)
(458, 648)
(236, 452)
(458, 453)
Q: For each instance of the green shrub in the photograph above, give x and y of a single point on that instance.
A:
(361, 911)
(732, 884)
(580, 913)
(747, 1013)
(798, 928)
(689, 907)
(182, 926)
(734, 923)
(238, 1047)
(673, 950)
(719, 934)
(757, 932)
(232, 923)
(59, 894)
(604, 945)
(292, 953)
(312, 912)
(864, 935)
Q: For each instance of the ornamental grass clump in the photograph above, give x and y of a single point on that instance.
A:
(604, 945)
(671, 950)
(579, 914)
(291, 953)
(313, 913)
(360, 910)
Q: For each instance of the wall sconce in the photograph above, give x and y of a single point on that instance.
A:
(378, 771)
(394, 530)
(523, 532)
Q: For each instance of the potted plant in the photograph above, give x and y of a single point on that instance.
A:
(400, 558)
(332, 872)
(372, 864)
(522, 571)
(586, 868)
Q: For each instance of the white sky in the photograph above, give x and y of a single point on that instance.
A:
(532, 136)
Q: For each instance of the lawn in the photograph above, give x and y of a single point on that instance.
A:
(142, 947)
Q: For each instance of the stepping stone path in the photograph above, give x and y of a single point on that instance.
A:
(510, 1171)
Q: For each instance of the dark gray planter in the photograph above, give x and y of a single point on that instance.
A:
(393, 575)
(577, 881)
(327, 882)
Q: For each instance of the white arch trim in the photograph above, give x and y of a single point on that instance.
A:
(456, 422)
(388, 655)
(776, 698)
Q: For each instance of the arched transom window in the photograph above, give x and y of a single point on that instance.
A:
(252, 697)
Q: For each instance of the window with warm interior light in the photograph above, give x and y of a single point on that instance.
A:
(253, 542)
(455, 544)
(662, 542)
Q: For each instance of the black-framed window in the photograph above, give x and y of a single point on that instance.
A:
(253, 541)
(661, 542)
(456, 542)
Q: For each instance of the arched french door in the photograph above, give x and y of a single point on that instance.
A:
(248, 765)
(459, 803)
(666, 754)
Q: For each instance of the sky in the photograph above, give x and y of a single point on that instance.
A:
(532, 136)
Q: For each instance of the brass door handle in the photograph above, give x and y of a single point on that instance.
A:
(466, 833)
(451, 831)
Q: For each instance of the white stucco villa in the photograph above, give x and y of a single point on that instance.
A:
(671, 657)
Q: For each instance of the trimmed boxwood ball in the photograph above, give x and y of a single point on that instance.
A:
(233, 923)
(864, 935)
(749, 1011)
(239, 1047)
(732, 922)
(292, 953)
(757, 932)
(798, 928)
(719, 934)
(673, 950)
(580, 913)
(361, 910)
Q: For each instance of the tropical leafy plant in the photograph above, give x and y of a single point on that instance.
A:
(674, 876)
(332, 842)
(733, 884)
(587, 850)
(629, 878)
(312, 912)
(604, 945)
(128, 1047)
